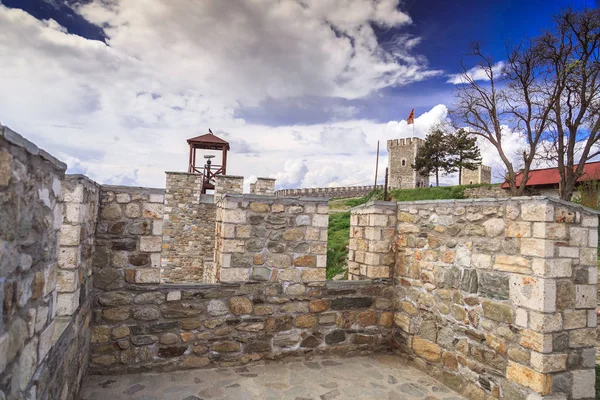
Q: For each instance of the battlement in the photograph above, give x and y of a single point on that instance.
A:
(485, 168)
(404, 142)
(332, 192)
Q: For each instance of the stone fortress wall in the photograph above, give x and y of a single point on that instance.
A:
(494, 297)
(330, 192)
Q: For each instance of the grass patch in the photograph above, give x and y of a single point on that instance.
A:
(337, 243)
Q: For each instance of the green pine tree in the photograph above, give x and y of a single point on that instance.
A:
(464, 152)
(434, 155)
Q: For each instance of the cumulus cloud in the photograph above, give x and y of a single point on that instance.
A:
(477, 73)
(120, 111)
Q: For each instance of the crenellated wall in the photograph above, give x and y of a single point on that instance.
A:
(330, 192)
(271, 238)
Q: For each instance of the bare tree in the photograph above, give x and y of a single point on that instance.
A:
(549, 91)
(570, 53)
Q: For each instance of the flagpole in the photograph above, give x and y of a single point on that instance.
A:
(376, 166)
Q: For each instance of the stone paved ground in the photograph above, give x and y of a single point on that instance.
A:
(381, 377)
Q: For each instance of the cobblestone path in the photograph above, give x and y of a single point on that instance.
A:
(381, 377)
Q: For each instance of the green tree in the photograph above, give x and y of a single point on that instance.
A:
(434, 155)
(464, 152)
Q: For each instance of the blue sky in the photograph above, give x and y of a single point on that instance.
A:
(302, 92)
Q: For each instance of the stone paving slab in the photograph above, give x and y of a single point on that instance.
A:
(373, 377)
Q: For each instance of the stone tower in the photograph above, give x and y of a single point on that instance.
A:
(483, 174)
(401, 155)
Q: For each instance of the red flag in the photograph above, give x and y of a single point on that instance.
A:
(411, 117)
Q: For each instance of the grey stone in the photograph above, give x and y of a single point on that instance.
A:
(493, 285)
(143, 340)
(260, 274)
(469, 281)
(115, 298)
(217, 307)
(346, 303)
(146, 313)
(336, 336)
(108, 279)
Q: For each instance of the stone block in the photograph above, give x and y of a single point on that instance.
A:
(67, 303)
(174, 295)
(4, 340)
(545, 323)
(26, 366)
(582, 338)
(546, 363)
(313, 275)
(578, 236)
(320, 220)
(552, 268)
(156, 198)
(234, 274)
(151, 244)
(522, 375)
(123, 198)
(583, 384)
(147, 275)
(521, 317)
(511, 264)
(534, 293)
(574, 319)
(571, 252)
(518, 229)
(585, 296)
(537, 247)
(157, 227)
(428, 350)
(588, 256)
(70, 235)
(68, 257)
(537, 211)
(481, 261)
(152, 211)
(537, 341)
(500, 312)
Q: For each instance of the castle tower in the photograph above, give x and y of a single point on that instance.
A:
(401, 157)
(483, 174)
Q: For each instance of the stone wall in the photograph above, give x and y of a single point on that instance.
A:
(168, 327)
(330, 192)
(482, 174)
(263, 186)
(189, 231)
(80, 198)
(42, 355)
(271, 238)
(372, 234)
(486, 192)
(497, 298)
(128, 236)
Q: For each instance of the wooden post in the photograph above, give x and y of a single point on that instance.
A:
(224, 161)
(190, 163)
(376, 166)
(385, 193)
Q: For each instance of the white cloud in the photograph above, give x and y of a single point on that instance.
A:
(477, 73)
(121, 112)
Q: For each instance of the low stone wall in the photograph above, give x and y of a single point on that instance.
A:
(188, 242)
(42, 355)
(263, 186)
(371, 244)
(497, 298)
(271, 238)
(168, 327)
(330, 192)
(486, 192)
(128, 236)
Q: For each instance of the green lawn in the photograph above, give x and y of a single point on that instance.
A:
(339, 220)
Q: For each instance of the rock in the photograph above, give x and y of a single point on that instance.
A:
(280, 323)
(116, 314)
(317, 306)
(310, 342)
(336, 336)
(195, 362)
(367, 318)
(287, 340)
(257, 346)
(115, 298)
(240, 305)
(217, 307)
(100, 334)
(344, 303)
(171, 351)
(307, 321)
(498, 311)
(493, 285)
(111, 212)
(426, 349)
(169, 338)
(146, 313)
(469, 281)
(108, 279)
(120, 332)
(306, 261)
(143, 340)
(260, 274)
(124, 244)
(150, 298)
(226, 347)
(295, 290)
(139, 260)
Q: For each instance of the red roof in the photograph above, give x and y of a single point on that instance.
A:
(551, 176)
(208, 138)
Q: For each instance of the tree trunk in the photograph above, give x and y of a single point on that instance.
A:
(437, 177)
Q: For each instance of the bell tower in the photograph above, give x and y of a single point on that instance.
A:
(208, 170)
